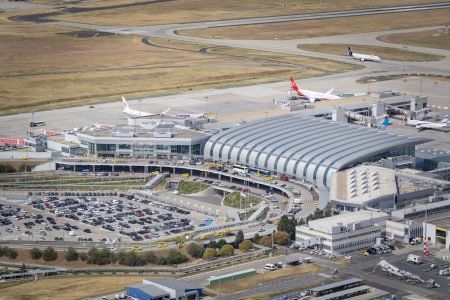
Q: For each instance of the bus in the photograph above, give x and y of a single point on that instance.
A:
(37, 123)
(259, 171)
(240, 169)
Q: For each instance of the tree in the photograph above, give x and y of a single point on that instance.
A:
(301, 222)
(83, 256)
(266, 241)
(256, 238)
(239, 237)
(71, 254)
(212, 244)
(36, 253)
(281, 238)
(209, 254)
(23, 268)
(246, 245)
(131, 259)
(194, 250)
(226, 250)
(221, 243)
(287, 225)
(49, 254)
(176, 257)
(11, 253)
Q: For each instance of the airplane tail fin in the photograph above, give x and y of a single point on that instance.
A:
(349, 51)
(329, 91)
(295, 87)
(125, 103)
(445, 120)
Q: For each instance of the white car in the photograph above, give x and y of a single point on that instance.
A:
(349, 257)
(270, 267)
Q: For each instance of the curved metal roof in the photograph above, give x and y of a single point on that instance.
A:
(303, 146)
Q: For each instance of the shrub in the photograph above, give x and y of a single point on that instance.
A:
(131, 259)
(266, 241)
(226, 250)
(209, 254)
(246, 245)
(71, 254)
(36, 253)
(11, 253)
(281, 238)
(195, 250)
(176, 257)
(49, 254)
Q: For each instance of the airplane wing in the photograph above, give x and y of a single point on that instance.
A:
(329, 91)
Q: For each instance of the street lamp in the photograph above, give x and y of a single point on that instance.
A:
(405, 47)
(206, 104)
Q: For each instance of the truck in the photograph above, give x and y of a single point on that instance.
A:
(414, 259)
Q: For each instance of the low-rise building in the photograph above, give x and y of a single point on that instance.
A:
(163, 289)
(343, 233)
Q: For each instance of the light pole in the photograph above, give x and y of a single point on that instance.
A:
(206, 104)
(405, 47)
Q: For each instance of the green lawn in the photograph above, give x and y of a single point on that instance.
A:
(191, 187)
(234, 200)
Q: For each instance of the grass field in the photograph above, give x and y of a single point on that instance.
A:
(328, 27)
(383, 52)
(184, 11)
(55, 67)
(267, 276)
(439, 38)
(191, 187)
(235, 200)
(68, 288)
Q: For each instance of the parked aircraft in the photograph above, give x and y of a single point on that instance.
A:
(430, 125)
(311, 95)
(132, 113)
(362, 57)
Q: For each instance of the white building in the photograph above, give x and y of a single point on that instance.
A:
(343, 233)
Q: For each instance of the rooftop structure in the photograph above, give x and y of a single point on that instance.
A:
(348, 221)
(364, 185)
(306, 147)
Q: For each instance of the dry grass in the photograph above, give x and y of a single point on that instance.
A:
(327, 27)
(184, 11)
(383, 52)
(439, 38)
(71, 287)
(51, 67)
(245, 283)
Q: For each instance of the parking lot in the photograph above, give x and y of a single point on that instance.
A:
(87, 216)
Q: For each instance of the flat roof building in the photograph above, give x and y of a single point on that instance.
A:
(343, 233)
(164, 289)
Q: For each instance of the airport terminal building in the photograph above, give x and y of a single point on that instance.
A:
(164, 141)
(306, 148)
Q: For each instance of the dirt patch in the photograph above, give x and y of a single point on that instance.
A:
(401, 76)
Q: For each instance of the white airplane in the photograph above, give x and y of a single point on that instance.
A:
(132, 113)
(362, 57)
(430, 125)
(311, 95)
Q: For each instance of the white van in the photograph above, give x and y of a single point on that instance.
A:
(270, 267)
